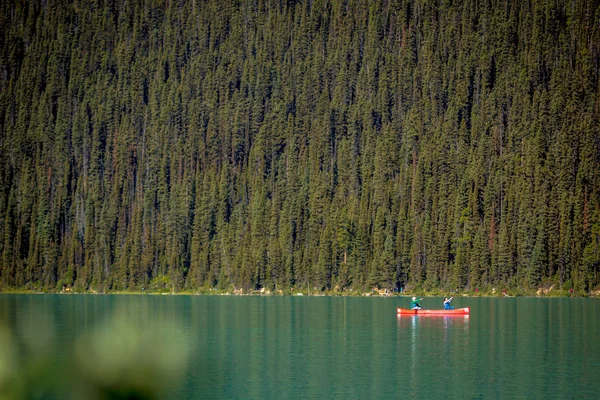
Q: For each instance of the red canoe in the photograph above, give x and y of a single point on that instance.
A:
(458, 311)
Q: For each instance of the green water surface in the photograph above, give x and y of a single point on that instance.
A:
(341, 347)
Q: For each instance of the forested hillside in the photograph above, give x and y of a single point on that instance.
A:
(275, 144)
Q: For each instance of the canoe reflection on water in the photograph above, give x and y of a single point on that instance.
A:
(441, 322)
(425, 332)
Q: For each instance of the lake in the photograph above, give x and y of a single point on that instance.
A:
(254, 347)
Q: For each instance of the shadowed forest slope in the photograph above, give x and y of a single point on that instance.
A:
(276, 144)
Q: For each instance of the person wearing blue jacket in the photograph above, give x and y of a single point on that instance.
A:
(447, 305)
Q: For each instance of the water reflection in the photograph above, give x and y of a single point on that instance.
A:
(448, 326)
(441, 338)
(285, 347)
(445, 321)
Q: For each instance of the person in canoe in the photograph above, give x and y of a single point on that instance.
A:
(447, 305)
(414, 304)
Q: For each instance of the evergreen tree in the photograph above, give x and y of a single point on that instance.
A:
(338, 144)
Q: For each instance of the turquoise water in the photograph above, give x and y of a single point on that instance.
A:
(338, 348)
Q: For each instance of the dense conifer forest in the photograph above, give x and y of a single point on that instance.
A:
(276, 144)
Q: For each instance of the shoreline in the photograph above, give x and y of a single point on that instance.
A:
(540, 293)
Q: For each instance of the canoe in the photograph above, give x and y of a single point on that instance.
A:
(457, 311)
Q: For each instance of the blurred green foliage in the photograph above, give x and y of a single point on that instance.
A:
(115, 360)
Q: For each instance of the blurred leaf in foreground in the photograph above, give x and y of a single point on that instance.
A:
(117, 360)
(129, 361)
